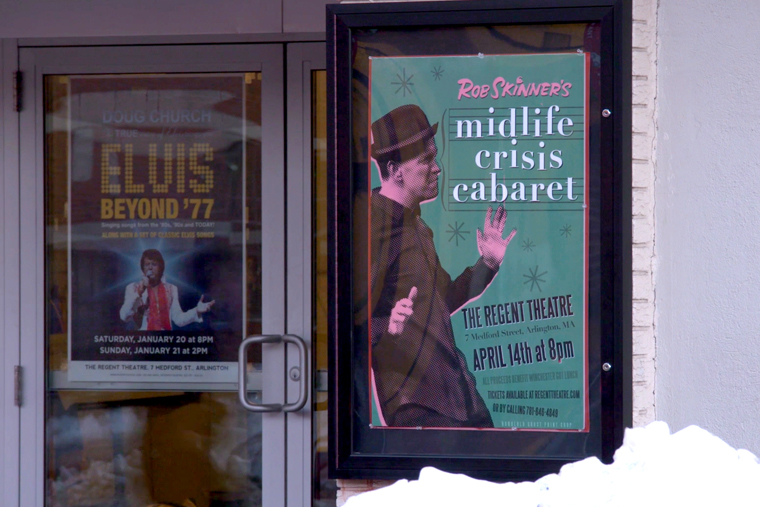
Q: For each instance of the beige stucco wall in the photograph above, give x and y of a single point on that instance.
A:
(708, 218)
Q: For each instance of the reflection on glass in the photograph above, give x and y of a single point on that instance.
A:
(411, 88)
(122, 443)
(152, 447)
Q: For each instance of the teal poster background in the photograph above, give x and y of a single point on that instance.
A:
(511, 132)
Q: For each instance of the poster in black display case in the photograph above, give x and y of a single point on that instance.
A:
(479, 242)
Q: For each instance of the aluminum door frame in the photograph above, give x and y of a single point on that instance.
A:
(9, 275)
(37, 62)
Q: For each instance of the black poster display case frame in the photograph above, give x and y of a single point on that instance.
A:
(359, 450)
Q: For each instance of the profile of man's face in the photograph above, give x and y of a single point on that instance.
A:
(420, 174)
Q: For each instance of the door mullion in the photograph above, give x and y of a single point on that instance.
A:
(32, 303)
(299, 257)
(302, 59)
(9, 274)
(273, 209)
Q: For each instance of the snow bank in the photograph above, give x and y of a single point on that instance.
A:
(653, 468)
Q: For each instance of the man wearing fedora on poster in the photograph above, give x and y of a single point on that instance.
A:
(420, 377)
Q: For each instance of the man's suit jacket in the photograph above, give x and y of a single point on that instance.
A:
(421, 366)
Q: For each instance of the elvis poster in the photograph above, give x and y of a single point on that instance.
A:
(156, 210)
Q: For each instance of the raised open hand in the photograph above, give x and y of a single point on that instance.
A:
(203, 307)
(491, 244)
(402, 310)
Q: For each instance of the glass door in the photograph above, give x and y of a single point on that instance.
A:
(153, 240)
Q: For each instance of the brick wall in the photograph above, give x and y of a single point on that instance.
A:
(644, 144)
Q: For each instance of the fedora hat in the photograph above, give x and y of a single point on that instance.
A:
(401, 134)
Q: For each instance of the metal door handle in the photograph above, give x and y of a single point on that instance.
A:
(304, 382)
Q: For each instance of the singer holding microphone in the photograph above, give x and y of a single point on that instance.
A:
(153, 304)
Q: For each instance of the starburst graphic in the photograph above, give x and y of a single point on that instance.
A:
(528, 245)
(437, 73)
(565, 231)
(456, 232)
(534, 279)
(403, 82)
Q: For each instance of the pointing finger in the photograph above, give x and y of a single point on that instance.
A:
(413, 294)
